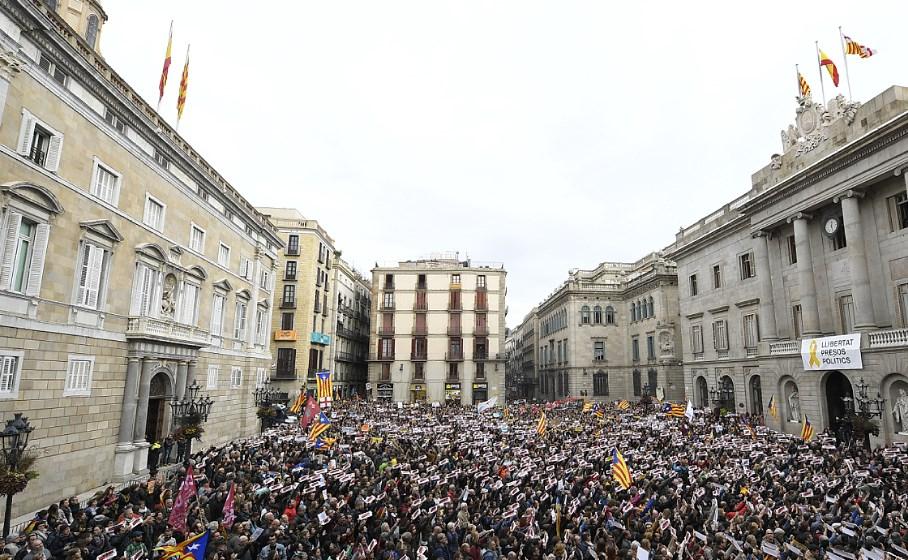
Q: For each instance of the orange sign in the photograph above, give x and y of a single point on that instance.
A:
(285, 335)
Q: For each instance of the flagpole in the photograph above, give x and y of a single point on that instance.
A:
(798, 80)
(845, 58)
(816, 45)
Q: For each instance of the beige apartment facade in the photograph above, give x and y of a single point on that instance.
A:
(303, 322)
(438, 331)
(129, 268)
(812, 256)
(609, 333)
(351, 310)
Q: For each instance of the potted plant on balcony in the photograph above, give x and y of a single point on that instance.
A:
(190, 427)
(13, 481)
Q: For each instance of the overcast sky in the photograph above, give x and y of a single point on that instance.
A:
(544, 135)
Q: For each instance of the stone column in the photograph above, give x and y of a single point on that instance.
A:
(181, 383)
(857, 262)
(141, 458)
(767, 309)
(123, 453)
(810, 313)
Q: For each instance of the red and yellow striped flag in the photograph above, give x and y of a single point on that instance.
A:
(806, 430)
(830, 67)
(803, 86)
(853, 47)
(184, 82)
(620, 472)
(166, 69)
(542, 425)
(677, 411)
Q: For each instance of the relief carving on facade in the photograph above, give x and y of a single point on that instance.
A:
(168, 296)
(811, 121)
(10, 64)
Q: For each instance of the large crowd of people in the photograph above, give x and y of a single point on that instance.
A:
(415, 482)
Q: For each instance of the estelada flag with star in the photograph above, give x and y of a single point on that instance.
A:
(192, 548)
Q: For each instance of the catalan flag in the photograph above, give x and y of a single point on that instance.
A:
(184, 83)
(542, 425)
(830, 67)
(166, 69)
(806, 430)
(324, 443)
(803, 86)
(323, 387)
(587, 406)
(853, 47)
(773, 409)
(624, 405)
(677, 411)
(600, 414)
(620, 472)
(192, 548)
(297, 405)
(320, 426)
(753, 432)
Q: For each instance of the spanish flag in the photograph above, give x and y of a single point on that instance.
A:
(803, 86)
(806, 430)
(853, 47)
(620, 472)
(166, 69)
(542, 425)
(184, 82)
(830, 67)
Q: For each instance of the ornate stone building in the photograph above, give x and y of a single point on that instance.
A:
(129, 268)
(802, 282)
(438, 331)
(609, 333)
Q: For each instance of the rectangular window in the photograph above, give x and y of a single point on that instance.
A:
(239, 324)
(196, 238)
(105, 183)
(213, 372)
(290, 270)
(224, 255)
(22, 251)
(792, 249)
(751, 331)
(455, 279)
(599, 351)
(838, 239)
(146, 292)
(9, 374)
(387, 300)
(293, 245)
(286, 321)
(236, 377)
(39, 142)
(217, 314)
(264, 279)
(846, 310)
(720, 335)
(650, 347)
(421, 282)
(286, 362)
(898, 211)
(386, 372)
(903, 301)
(717, 276)
(453, 373)
(481, 281)
(260, 328)
(389, 281)
(91, 273)
(318, 302)
(58, 75)
(261, 376)
(246, 268)
(419, 371)
(696, 338)
(387, 348)
(797, 321)
(480, 371)
(78, 376)
(746, 262)
(189, 304)
(154, 213)
(635, 349)
(693, 284)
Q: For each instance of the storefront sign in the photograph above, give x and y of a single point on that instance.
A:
(832, 352)
(481, 386)
(285, 335)
(452, 391)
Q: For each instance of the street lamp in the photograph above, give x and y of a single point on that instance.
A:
(192, 406)
(265, 396)
(861, 409)
(15, 440)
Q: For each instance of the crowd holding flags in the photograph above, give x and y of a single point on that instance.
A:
(620, 472)
(542, 425)
(320, 426)
(624, 405)
(192, 548)
(323, 388)
(177, 518)
(677, 410)
(806, 430)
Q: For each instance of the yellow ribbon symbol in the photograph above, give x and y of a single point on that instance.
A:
(813, 361)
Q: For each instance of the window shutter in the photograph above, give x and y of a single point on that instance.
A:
(154, 304)
(13, 222)
(54, 150)
(26, 131)
(141, 290)
(36, 270)
(95, 262)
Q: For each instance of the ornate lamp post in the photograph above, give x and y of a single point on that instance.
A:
(265, 397)
(15, 440)
(862, 408)
(191, 411)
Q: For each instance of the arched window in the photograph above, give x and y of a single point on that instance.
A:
(633, 312)
(638, 384)
(609, 315)
(91, 30)
(600, 383)
(585, 315)
(597, 315)
(652, 310)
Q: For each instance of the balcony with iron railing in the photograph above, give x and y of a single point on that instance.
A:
(454, 330)
(454, 356)
(481, 330)
(480, 356)
(420, 330)
(385, 330)
(166, 329)
(292, 251)
(454, 305)
(419, 355)
(289, 276)
(288, 303)
(420, 305)
(482, 304)
(381, 357)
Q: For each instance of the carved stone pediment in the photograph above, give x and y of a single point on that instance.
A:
(103, 228)
(809, 130)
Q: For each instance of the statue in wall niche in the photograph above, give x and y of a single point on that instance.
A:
(168, 296)
(900, 411)
(794, 407)
(665, 343)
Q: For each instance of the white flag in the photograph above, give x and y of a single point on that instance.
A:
(689, 413)
(486, 405)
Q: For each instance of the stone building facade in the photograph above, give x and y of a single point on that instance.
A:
(303, 320)
(129, 267)
(818, 247)
(351, 310)
(438, 331)
(610, 333)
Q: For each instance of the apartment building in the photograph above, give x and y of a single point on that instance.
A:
(438, 331)
(350, 345)
(129, 268)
